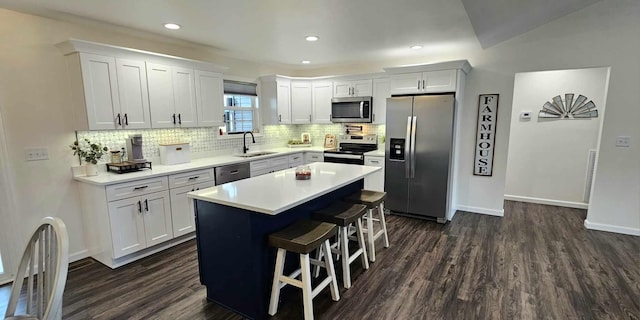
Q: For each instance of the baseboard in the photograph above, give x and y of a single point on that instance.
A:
(551, 202)
(491, 212)
(611, 228)
(78, 255)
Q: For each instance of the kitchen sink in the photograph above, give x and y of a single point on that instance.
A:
(253, 154)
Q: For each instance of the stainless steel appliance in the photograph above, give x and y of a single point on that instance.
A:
(419, 136)
(352, 109)
(232, 172)
(134, 148)
(351, 148)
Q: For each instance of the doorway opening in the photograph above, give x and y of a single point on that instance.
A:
(556, 122)
(6, 262)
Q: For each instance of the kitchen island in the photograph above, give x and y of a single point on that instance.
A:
(233, 221)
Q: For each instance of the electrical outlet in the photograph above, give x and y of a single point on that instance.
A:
(623, 141)
(37, 153)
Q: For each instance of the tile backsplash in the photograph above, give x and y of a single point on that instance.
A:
(206, 140)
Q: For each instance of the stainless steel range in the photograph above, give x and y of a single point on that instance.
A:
(351, 148)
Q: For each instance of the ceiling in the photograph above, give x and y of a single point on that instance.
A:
(350, 31)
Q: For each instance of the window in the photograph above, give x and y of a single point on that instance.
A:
(239, 113)
(240, 107)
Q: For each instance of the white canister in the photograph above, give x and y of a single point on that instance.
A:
(175, 153)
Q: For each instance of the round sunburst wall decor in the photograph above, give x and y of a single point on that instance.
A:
(569, 109)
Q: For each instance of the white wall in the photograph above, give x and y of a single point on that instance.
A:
(604, 34)
(547, 160)
(35, 102)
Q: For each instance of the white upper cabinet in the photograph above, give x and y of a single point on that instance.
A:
(209, 98)
(301, 102)
(362, 88)
(101, 97)
(161, 100)
(439, 81)
(381, 91)
(284, 100)
(172, 96)
(275, 100)
(423, 82)
(356, 88)
(406, 83)
(184, 95)
(341, 89)
(321, 105)
(134, 97)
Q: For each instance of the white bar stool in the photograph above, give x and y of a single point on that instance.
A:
(373, 200)
(344, 214)
(303, 237)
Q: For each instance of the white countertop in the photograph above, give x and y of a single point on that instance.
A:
(107, 178)
(279, 191)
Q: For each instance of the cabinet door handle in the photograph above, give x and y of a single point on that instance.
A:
(423, 85)
(174, 118)
(193, 178)
(233, 172)
(140, 188)
(309, 118)
(118, 118)
(279, 118)
(126, 120)
(139, 207)
(146, 205)
(224, 118)
(374, 161)
(418, 84)
(374, 118)
(179, 119)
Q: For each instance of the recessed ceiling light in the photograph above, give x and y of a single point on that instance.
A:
(305, 61)
(172, 26)
(311, 38)
(415, 47)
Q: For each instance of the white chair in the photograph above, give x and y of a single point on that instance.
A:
(46, 258)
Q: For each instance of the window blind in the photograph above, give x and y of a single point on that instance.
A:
(237, 87)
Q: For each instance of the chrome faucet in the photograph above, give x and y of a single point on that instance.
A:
(244, 141)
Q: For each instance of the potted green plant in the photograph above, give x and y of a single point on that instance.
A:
(90, 153)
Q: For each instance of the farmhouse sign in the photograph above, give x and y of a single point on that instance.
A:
(485, 134)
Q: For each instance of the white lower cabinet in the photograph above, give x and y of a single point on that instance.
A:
(140, 222)
(265, 166)
(296, 160)
(131, 220)
(183, 217)
(374, 181)
(310, 157)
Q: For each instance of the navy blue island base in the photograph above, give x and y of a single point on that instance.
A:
(236, 263)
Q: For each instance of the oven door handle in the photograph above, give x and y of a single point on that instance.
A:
(343, 156)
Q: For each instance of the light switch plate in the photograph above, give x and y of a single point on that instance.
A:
(623, 141)
(36, 153)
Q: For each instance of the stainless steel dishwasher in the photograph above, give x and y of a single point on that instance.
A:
(232, 172)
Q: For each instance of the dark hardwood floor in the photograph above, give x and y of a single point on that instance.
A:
(538, 262)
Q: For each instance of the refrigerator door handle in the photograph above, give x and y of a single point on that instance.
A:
(413, 146)
(407, 146)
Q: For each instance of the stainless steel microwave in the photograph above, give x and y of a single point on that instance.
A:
(352, 109)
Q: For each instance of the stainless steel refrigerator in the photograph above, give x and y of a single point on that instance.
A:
(419, 136)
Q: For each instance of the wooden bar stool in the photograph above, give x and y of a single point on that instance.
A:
(303, 237)
(344, 214)
(373, 200)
